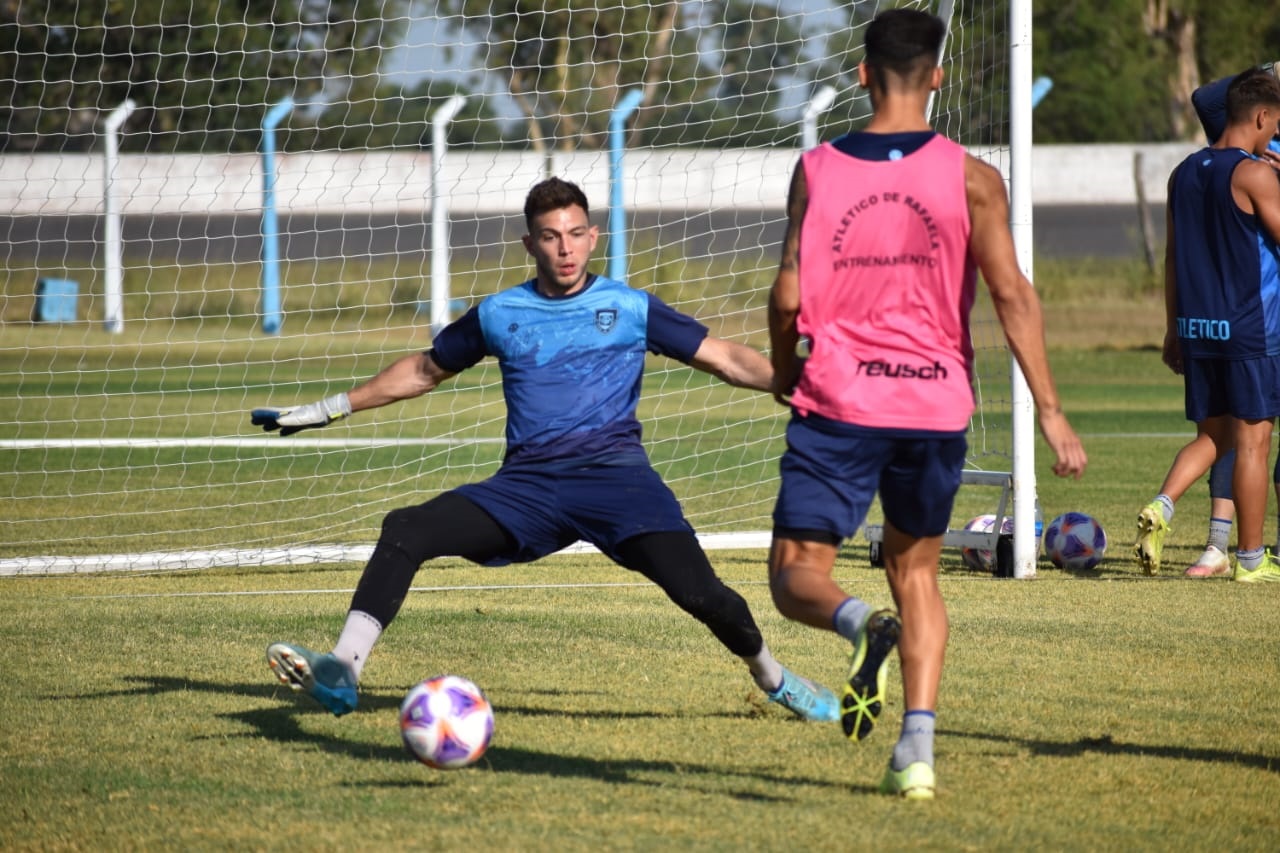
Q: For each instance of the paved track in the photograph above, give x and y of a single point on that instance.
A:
(51, 242)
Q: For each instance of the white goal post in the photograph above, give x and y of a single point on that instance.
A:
(1013, 555)
(125, 443)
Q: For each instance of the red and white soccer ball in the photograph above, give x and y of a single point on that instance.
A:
(1075, 541)
(980, 559)
(446, 722)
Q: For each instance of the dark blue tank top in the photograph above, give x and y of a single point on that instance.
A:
(1226, 266)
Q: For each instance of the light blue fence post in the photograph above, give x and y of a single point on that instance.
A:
(271, 318)
(617, 200)
(1039, 89)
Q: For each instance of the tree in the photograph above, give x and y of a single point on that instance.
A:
(391, 117)
(566, 63)
(709, 72)
(749, 52)
(1124, 70)
(202, 74)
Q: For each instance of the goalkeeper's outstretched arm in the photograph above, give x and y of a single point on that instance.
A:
(408, 377)
(737, 364)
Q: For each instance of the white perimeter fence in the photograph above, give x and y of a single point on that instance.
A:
(480, 181)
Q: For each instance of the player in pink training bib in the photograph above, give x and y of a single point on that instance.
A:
(886, 229)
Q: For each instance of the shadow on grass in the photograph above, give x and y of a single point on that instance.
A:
(284, 723)
(1105, 745)
(378, 700)
(156, 685)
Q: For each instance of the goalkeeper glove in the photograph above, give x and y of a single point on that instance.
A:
(289, 421)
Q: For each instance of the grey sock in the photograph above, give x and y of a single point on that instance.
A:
(1250, 560)
(916, 741)
(1219, 533)
(849, 618)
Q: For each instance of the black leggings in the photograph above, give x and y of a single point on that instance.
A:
(676, 562)
(452, 526)
(445, 526)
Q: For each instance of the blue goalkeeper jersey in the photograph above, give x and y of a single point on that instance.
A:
(571, 366)
(1226, 266)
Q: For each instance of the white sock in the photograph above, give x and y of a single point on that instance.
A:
(765, 669)
(356, 640)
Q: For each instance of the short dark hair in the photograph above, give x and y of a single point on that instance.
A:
(1249, 90)
(552, 194)
(905, 43)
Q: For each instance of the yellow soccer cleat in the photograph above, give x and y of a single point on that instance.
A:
(1150, 543)
(1268, 571)
(913, 782)
(863, 697)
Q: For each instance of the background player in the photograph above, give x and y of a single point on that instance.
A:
(878, 273)
(1222, 286)
(571, 346)
(1210, 102)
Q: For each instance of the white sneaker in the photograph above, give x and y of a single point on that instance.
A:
(1212, 564)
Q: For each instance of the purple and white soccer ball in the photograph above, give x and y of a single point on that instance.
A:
(446, 722)
(981, 559)
(1074, 541)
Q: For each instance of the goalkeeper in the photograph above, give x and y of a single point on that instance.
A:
(571, 346)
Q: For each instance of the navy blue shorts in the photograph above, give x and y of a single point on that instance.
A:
(545, 510)
(1248, 389)
(832, 471)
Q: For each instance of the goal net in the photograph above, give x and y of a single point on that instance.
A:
(200, 224)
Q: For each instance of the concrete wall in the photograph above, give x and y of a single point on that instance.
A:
(379, 182)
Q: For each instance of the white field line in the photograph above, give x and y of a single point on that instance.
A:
(975, 578)
(472, 588)
(299, 556)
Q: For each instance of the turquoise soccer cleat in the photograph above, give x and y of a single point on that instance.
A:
(807, 699)
(321, 676)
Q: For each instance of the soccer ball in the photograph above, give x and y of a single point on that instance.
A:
(980, 559)
(446, 722)
(1075, 541)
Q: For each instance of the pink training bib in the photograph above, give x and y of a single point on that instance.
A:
(886, 286)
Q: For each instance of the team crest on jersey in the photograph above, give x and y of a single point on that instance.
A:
(606, 319)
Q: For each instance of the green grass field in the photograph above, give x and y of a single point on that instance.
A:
(1100, 710)
(1078, 713)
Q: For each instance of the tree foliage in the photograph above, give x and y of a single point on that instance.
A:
(201, 73)
(1124, 70)
(712, 72)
